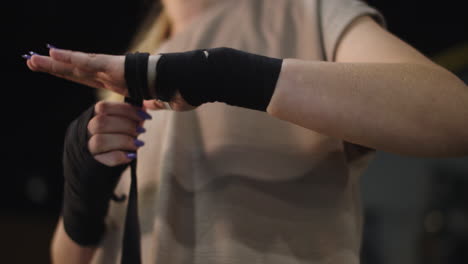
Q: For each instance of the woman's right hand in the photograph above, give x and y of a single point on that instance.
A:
(101, 71)
(113, 132)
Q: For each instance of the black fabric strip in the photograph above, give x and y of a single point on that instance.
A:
(89, 185)
(131, 248)
(136, 68)
(218, 75)
(177, 65)
(136, 76)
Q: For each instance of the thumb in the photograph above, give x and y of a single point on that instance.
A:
(153, 105)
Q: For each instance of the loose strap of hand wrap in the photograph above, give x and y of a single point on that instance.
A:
(89, 184)
(131, 248)
(222, 74)
(136, 68)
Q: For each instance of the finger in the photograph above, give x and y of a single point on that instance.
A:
(49, 65)
(178, 103)
(153, 105)
(108, 70)
(119, 109)
(105, 124)
(101, 143)
(31, 66)
(63, 70)
(85, 61)
(115, 158)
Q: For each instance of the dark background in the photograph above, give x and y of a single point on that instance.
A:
(37, 109)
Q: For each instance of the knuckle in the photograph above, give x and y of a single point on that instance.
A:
(101, 107)
(54, 69)
(92, 127)
(95, 143)
(88, 63)
(92, 144)
(101, 121)
(75, 72)
(99, 140)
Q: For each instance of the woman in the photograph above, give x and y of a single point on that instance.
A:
(224, 184)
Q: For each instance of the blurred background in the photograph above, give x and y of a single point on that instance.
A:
(416, 209)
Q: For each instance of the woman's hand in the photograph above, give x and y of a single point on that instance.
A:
(95, 70)
(99, 71)
(113, 132)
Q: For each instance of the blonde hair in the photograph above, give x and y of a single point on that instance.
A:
(153, 31)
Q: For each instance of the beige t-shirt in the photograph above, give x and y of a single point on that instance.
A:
(223, 184)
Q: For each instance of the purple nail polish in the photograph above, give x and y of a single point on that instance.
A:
(140, 130)
(26, 56)
(144, 115)
(131, 155)
(33, 53)
(50, 46)
(138, 143)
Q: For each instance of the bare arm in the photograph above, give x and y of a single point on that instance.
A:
(380, 93)
(64, 250)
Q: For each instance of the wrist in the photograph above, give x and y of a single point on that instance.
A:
(223, 75)
(152, 62)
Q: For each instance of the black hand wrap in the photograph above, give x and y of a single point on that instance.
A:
(89, 185)
(136, 72)
(222, 74)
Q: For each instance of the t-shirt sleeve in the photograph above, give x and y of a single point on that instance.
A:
(336, 15)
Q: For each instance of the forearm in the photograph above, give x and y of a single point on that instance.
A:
(410, 109)
(65, 250)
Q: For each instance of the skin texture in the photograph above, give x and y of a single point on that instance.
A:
(379, 92)
(411, 105)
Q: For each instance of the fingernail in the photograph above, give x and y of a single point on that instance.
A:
(140, 130)
(50, 46)
(26, 56)
(33, 53)
(138, 143)
(144, 115)
(131, 155)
